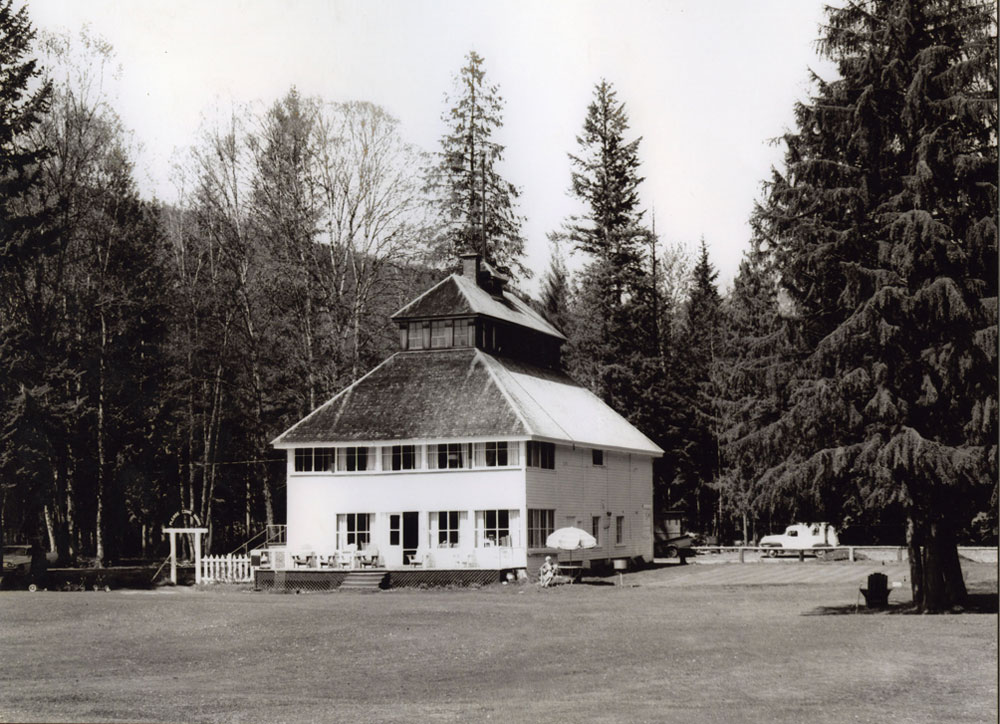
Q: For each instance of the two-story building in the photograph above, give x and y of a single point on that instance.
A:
(467, 447)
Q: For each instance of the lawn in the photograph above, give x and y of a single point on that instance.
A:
(585, 653)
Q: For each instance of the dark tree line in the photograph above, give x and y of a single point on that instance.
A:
(851, 373)
(151, 351)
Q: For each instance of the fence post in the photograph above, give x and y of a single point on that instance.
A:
(741, 553)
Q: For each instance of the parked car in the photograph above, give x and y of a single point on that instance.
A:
(669, 541)
(24, 565)
(813, 537)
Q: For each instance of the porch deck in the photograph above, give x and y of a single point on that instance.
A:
(329, 579)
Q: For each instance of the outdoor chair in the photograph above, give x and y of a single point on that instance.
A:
(368, 557)
(346, 556)
(877, 593)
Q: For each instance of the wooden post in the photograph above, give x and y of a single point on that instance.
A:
(197, 558)
(741, 553)
(173, 557)
(850, 554)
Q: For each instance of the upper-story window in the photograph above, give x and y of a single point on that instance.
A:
(442, 334)
(418, 335)
(465, 333)
(597, 456)
(309, 459)
(438, 334)
(495, 454)
(351, 459)
(541, 455)
(447, 455)
(400, 457)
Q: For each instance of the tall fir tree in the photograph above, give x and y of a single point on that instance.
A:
(619, 337)
(28, 244)
(477, 205)
(555, 300)
(605, 179)
(111, 321)
(696, 358)
(751, 372)
(885, 224)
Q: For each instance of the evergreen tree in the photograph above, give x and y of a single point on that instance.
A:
(286, 210)
(27, 245)
(477, 204)
(697, 357)
(111, 323)
(752, 372)
(556, 291)
(621, 336)
(606, 178)
(614, 285)
(885, 223)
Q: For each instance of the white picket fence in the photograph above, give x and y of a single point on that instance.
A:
(226, 569)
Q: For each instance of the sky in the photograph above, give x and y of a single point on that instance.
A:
(707, 84)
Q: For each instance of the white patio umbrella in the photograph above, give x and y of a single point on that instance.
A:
(570, 539)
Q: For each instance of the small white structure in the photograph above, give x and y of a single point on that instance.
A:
(465, 449)
(196, 534)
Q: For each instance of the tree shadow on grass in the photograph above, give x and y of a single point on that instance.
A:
(976, 602)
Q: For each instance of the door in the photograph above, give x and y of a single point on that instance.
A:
(411, 536)
(394, 556)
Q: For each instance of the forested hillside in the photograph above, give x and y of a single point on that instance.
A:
(151, 351)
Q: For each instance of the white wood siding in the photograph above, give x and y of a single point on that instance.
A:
(315, 500)
(578, 490)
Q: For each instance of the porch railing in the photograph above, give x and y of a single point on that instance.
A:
(272, 535)
(226, 569)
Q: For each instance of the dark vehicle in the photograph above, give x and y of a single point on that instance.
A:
(24, 566)
(668, 539)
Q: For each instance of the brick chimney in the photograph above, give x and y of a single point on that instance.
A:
(470, 266)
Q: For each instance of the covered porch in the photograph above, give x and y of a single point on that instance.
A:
(370, 557)
(318, 579)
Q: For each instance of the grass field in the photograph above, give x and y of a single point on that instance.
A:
(649, 652)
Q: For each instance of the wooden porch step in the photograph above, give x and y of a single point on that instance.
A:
(363, 581)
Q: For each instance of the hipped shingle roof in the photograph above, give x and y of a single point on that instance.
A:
(460, 394)
(457, 295)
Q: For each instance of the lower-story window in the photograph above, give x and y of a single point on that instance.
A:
(619, 529)
(595, 528)
(354, 529)
(541, 524)
(497, 528)
(443, 528)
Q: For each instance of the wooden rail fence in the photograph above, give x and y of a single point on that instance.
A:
(983, 554)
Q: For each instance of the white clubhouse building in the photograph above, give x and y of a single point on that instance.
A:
(467, 447)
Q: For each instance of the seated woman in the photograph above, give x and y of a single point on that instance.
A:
(547, 572)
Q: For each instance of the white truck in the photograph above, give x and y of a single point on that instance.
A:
(811, 537)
